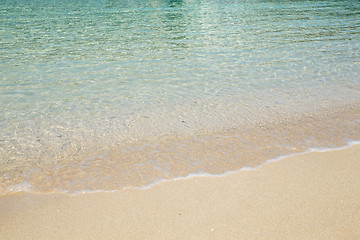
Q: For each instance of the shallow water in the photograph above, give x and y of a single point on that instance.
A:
(92, 90)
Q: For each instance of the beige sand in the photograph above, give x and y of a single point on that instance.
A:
(309, 196)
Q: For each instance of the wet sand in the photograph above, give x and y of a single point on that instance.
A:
(308, 196)
(144, 161)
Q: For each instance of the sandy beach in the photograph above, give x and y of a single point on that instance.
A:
(308, 196)
(179, 120)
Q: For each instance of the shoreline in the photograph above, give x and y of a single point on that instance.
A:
(314, 195)
(144, 162)
(224, 174)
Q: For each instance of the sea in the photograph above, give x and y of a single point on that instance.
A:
(101, 95)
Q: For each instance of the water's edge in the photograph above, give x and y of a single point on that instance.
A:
(146, 162)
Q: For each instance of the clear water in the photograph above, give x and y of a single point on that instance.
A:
(81, 77)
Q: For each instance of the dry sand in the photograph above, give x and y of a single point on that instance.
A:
(309, 196)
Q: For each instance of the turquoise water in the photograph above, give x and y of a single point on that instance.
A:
(78, 77)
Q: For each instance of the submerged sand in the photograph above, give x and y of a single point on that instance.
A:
(308, 196)
(146, 160)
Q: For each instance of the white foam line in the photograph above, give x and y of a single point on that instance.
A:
(26, 187)
(19, 187)
(196, 175)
